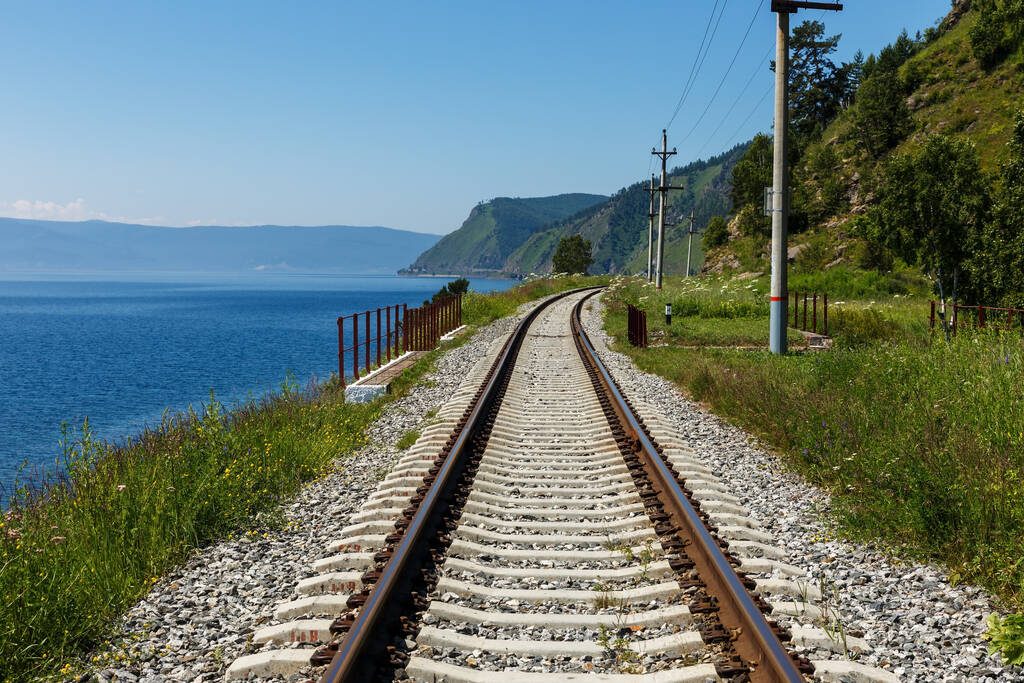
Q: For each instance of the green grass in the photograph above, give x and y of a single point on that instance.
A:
(78, 550)
(919, 441)
(407, 439)
(706, 311)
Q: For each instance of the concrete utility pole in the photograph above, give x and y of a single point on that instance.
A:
(778, 316)
(689, 245)
(662, 194)
(650, 233)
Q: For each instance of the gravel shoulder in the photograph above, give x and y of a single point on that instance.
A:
(920, 627)
(201, 616)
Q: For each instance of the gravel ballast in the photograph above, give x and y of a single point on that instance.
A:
(920, 627)
(201, 616)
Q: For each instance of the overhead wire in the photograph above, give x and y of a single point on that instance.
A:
(694, 70)
(752, 112)
(732, 139)
(727, 72)
(698, 62)
(757, 71)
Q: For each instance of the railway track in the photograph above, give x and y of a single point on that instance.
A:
(546, 528)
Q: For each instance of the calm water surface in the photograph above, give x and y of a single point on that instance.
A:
(121, 352)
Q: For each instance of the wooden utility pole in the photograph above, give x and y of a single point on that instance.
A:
(778, 316)
(662, 196)
(689, 245)
(650, 232)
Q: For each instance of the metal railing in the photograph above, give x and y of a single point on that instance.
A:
(636, 326)
(983, 317)
(394, 330)
(800, 323)
(424, 326)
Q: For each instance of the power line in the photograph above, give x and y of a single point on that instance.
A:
(752, 112)
(739, 130)
(757, 71)
(727, 71)
(697, 61)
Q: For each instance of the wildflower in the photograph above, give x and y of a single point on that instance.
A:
(122, 487)
(58, 539)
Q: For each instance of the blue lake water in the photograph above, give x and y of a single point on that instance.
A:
(122, 351)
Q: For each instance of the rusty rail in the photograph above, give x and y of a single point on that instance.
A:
(636, 324)
(398, 329)
(795, 320)
(354, 658)
(362, 639)
(756, 641)
(981, 317)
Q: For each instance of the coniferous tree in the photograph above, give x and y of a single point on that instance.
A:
(817, 85)
(881, 118)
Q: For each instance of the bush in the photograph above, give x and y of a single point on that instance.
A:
(988, 35)
(852, 327)
(716, 234)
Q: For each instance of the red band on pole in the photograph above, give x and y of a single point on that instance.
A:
(779, 298)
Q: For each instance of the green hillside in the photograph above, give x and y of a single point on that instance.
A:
(493, 231)
(618, 228)
(961, 82)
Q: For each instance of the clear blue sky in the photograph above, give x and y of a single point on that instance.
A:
(402, 114)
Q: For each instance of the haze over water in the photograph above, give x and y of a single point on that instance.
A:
(122, 349)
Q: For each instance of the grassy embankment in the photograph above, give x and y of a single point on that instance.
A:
(919, 441)
(76, 552)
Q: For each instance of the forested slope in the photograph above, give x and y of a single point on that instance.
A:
(903, 162)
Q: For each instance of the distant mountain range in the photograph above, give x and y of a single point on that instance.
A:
(33, 245)
(519, 236)
(493, 231)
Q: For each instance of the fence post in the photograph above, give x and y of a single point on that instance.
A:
(378, 337)
(981, 316)
(814, 315)
(341, 350)
(387, 314)
(825, 311)
(931, 318)
(355, 346)
(367, 355)
(804, 328)
(458, 313)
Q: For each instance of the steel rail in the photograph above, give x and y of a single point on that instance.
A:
(350, 663)
(755, 640)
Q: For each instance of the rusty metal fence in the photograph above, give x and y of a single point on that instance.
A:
(394, 330)
(636, 326)
(427, 324)
(800, 322)
(981, 317)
